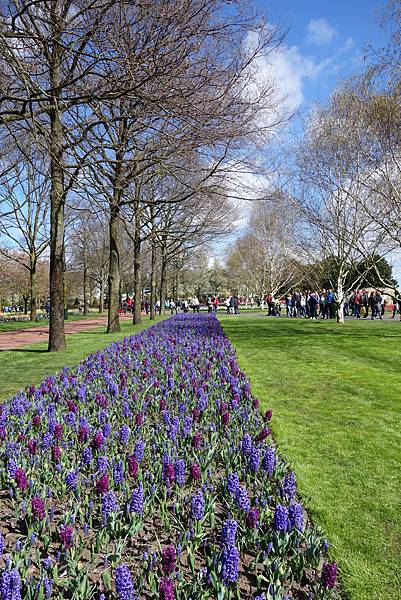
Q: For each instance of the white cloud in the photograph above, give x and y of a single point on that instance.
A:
(320, 32)
(290, 69)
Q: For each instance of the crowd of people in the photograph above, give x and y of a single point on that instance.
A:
(310, 304)
(314, 304)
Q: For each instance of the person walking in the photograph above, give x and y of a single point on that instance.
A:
(313, 305)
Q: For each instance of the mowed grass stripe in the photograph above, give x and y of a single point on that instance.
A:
(31, 364)
(336, 395)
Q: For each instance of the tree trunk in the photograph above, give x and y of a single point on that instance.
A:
(57, 205)
(137, 319)
(57, 192)
(34, 293)
(25, 299)
(340, 302)
(101, 291)
(153, 281)
(86, 304)
(163, 281)
(113, 324)
(340, 312)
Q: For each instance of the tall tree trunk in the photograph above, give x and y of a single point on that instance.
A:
(152, 281)
(86, 304)
(113, 324)
(340, 312)
(101, 291)
(163, 280)
(34, 292)
(57, 195)
(340, 302)
(137, 319)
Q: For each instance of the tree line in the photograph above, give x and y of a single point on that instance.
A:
(118, 123)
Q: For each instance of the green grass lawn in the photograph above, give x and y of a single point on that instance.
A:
(14, 325)
(336, 395)
(31, 364)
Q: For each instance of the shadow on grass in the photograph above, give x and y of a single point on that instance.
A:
(269, 329)
(34, 350)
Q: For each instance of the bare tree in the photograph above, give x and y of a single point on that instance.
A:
(267, 250)
(25, 203)
(53, 59)
(332, 227)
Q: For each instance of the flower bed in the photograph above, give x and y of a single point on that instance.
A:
(148, 471)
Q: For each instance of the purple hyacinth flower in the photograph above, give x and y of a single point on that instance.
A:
(169, 560)
(252, 518)
(242, 499)
(295, 517)
(228, 533)
(71, 479)
(137, 500)
(254, 459)
(124, 585)
(38, 508)
(109, 504)
(246, 444)
(329, 575)
(10, 586)
(124, 435)
(229, 564)
(66, 535)
(166, 589)
(269, 461)
(179, 468)
(198, 506)
(232, 482)
(281, 518)
(290, 485)
(139, 450)
(118, 472)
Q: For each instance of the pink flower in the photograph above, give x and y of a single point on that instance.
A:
(32, 445)
(133, 466)
(102, 484)
(20, 479)
(262, 435)
(98, 440)
(38, 508)
(72, 407)
(268, 415)
(56, 453)
(168, 473)
(195, 471)
(66, 536)
(196, 440)
(58, 432)
(225, 418)
(83, 433)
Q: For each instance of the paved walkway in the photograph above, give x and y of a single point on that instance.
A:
(12, 340)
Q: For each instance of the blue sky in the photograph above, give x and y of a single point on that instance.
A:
(325, 42)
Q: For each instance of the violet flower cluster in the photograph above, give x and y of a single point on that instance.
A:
(152, 459)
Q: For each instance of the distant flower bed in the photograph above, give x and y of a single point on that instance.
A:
(148, 471)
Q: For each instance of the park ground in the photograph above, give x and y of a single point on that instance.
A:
(336, 395)
(29, 365)
(335, 391)
(10, 325)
